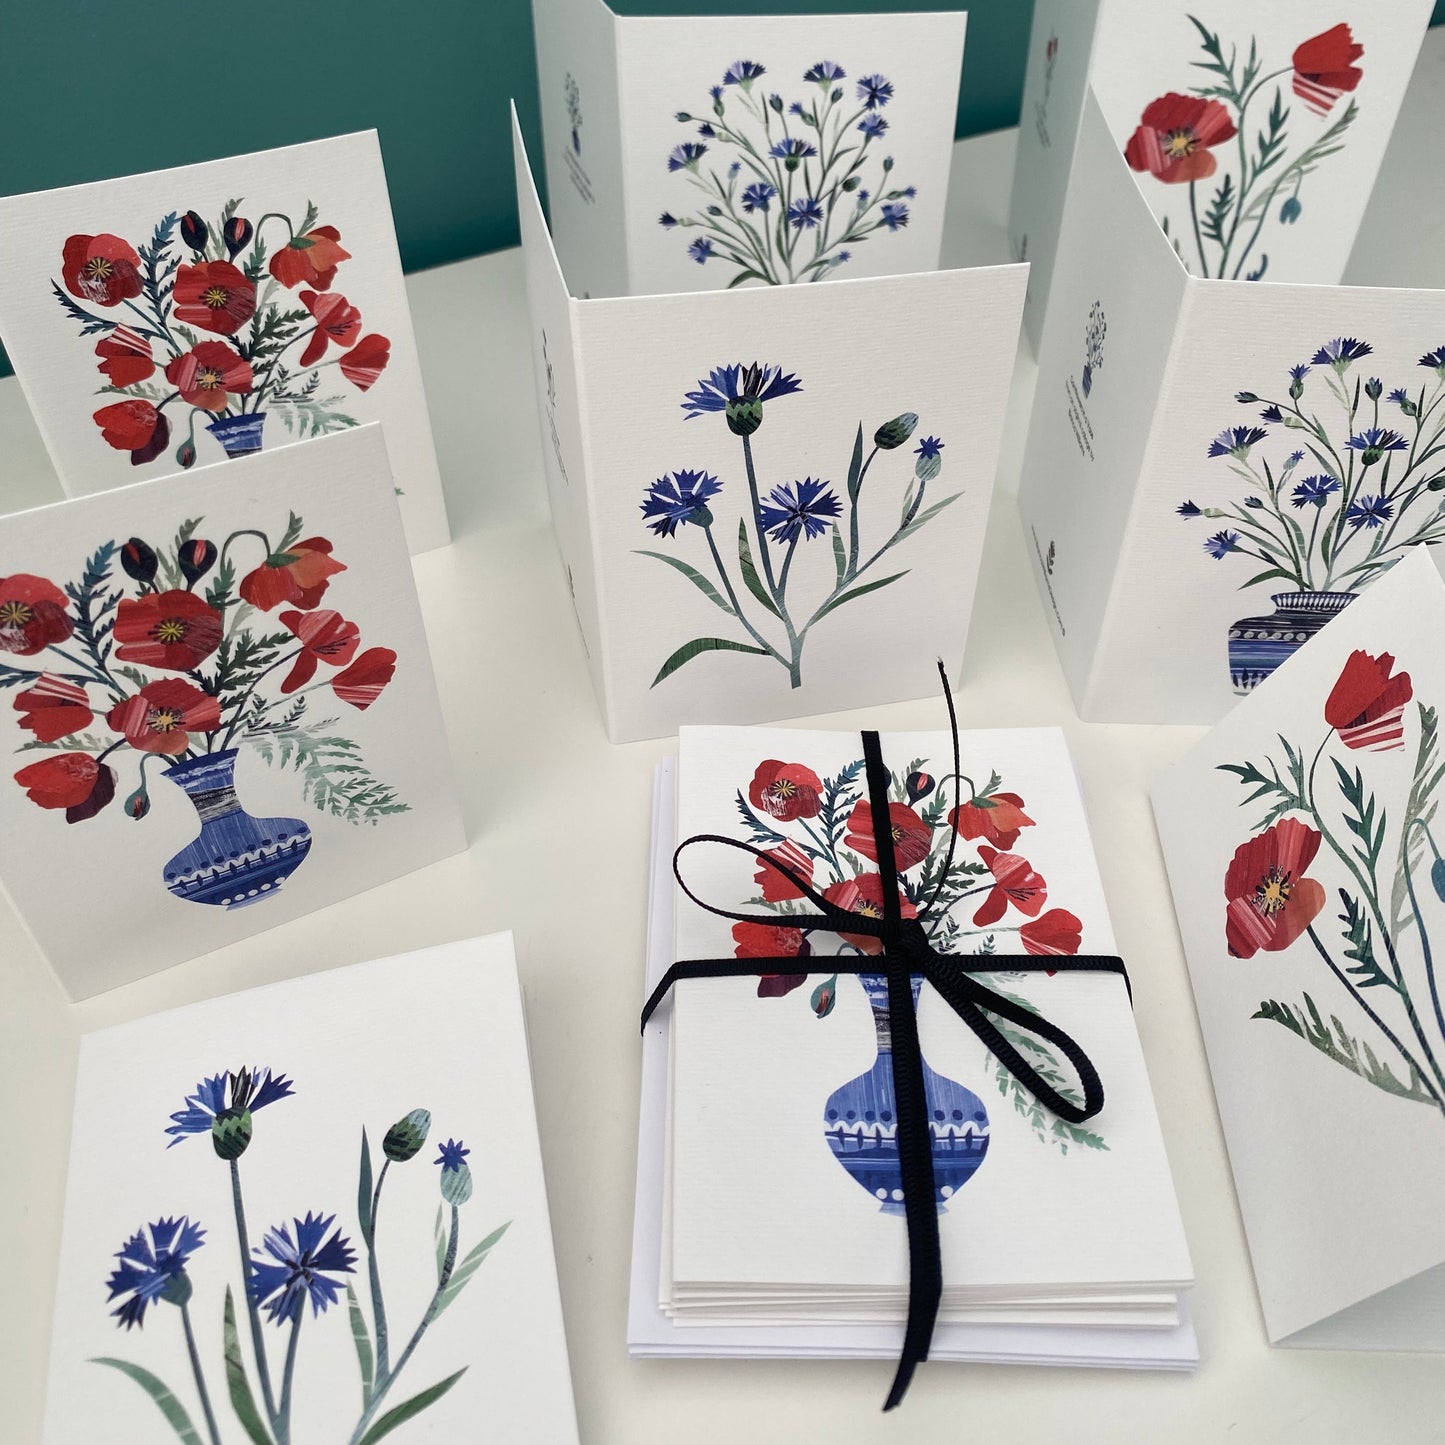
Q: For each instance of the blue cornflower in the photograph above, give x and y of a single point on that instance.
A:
(804, 212)
(717, 94)
(824, 72)
(874, 91)
(1254, 503)
(706, 131)
(1399, 396)
(1434, 359)
(674, 501)
(872, 125)
(1222, 543)
(700, 250)
(739, 393)
(1271, 413)
(757, 196)
(929, 447)
(862, 198)
(1235, 441)
(151, 1268)
(1340, 352)
(1293, 460)
(841, 257)
(1298, 373)
(743, 73)
(1374, 442)
(895, 216)
(452, 1155)
(1313, 491)
(796, 108)
(1189, 509)
(791, 151)
(909, 191)
(251, 1089)
(798, 507)
(686, 156)
(301, 1268)
(1371, 512)
(735, 168)
(667, 220)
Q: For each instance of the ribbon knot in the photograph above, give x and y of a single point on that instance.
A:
(910, 944)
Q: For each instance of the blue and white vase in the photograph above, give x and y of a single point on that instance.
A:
(1087, 380)
(239, 435)
(237, 859)
(1257, 645)
(860, 1120)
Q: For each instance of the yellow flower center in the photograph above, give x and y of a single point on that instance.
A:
(215, 297)
(172, 629)
(1273, 892)
(163, 720)
(98, 267)
(868, 910)
(1178, 144)
(209, 380)
(897, 833)
(784, 788)
(14, 614)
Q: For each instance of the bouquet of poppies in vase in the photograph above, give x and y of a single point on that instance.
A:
(1178, 134)
(171, 671)
(1363, 478)
(300, 1263)
(1373, 944)
(790, 198)
(201, 325)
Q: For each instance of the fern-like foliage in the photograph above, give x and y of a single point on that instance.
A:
(95, 605)
(1420, 807)
(158, 269)
(89, 325)
(335, 779)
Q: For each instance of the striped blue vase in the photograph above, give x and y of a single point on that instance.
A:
(1258, 645)
(237, 859)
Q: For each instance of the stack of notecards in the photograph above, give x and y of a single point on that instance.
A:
(314, 1211)
(769, 1209)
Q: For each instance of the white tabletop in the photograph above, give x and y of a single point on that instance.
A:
(533, 761)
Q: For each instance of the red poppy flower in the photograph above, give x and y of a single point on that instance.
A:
(997, 818)
(864, 894)
(1056, 931)
(336, 320)
(1174, 136)
(761, 940)
(298, 576)
(1014, 881)
(126, 356)
(131, 426)
(53, 708)
(102, 269)
(172, 630)
(366, 361)
(786, 791)
(912, 837)
(362, 682)
(1367, 706)
(325, 636)
(1324, 68)
(310, 260)
(32, 614)
(1269, 900)
(207, 373)
(778, 886)
(214, 295)
(76, 782)
(162, 715)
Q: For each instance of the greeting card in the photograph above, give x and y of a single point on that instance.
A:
(755, 489)
(1214, 470)
(1303, 842)
(182, 317)
(696, 152)
(1256, 131)
(218, 708)
(320, 1215)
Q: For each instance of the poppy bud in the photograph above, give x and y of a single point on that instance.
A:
(1245, 396)
(824, 997)
(139, 560)
(405, 1138)
(1373, 388)
(186, 453)
(195, 558)
(139, 802)
(194, 231)
(160, 440)
(237, 234)
(894, 433)
(919, 785)
(1437, 877)
(231, 1133)
(457, 1185)
(1289, 213)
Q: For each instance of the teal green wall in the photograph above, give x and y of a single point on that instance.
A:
(96, 88)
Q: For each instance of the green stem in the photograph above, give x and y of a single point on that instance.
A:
(258, 1340)
(283, 1429)
(200, 1379)
(722, 573)
(1198, 239)
(1420, 922)
(378, 1304)
(762, 535)
(852, 571)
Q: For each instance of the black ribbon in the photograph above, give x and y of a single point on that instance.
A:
(906, 950)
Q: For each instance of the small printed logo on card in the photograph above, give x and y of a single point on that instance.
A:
(1094, 332)
(1047, 557)
(552, 412)
(572, 92)
(1041, 107)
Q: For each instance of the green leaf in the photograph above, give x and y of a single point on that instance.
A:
(924, 516)
(857, 592)
(693, 576)
(750, 573)
(1358, 935)
(439, 1237)
(363, 1187)
(840, 556)
(242, 1400)
(361, 1337)
(1266, 575)
(699, 645)
(746, 276)
(166, 1402)
(1361, 820)
(855, 466)
(404, 1412)
(468, 1267)
(335, 780)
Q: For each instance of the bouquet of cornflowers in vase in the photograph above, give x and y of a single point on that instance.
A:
(789, 516)
(1272, 904)
(186, 329)
(792, 198)
(1354, 490)
(182, 675)
(1177, 134)
(1094, 333)
(300, 1263)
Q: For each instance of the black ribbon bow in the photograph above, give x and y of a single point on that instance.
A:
(907, 951)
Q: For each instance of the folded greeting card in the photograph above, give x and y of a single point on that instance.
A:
(771, 1177)
(1303, 842)
(181, 317)
(218, 708)
(1256, 131)
(1214, 470)
(320, 1215)
(694, 152)
(757, 492)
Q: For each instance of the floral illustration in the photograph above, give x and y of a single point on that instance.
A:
(299, 1262)
(1357, 477)
(1094, 334)
(1184, 140)
(821, 831)
(193, 331)
(159, 672)
(790, 198)
(790, 515)
(1041, 106)
(1329, 835)
(573, 94)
